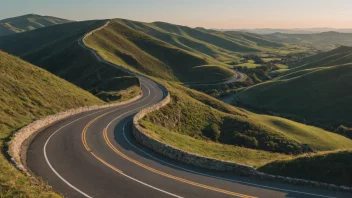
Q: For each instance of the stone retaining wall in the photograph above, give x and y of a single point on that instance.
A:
(189, 158)
(17, 146)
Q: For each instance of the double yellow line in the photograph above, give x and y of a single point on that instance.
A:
(145, 166)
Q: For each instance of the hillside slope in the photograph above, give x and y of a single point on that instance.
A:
(192, 117)
(338, 56)
(56, 49)
(141, 52)
(27, 22)
(324, 40)
(319, 94)
(330, 167)
(29, 93)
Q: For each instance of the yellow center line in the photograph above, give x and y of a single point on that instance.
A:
(84, 141)
(168, 175)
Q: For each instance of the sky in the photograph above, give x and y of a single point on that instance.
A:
(221, 14)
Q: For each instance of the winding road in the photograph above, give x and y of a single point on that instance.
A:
(93, 154)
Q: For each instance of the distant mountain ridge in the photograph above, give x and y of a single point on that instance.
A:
(291, 31)
(27, 22)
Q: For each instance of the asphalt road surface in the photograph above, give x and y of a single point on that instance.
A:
(94, 154)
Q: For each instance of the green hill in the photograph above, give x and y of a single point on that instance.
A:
(250, 39)
(27, 94)
(330, 167)
(318, 91)
(56, 49)
(139, 51)
(324, 40)
(27, 22)
(338, 56)
(198, 115)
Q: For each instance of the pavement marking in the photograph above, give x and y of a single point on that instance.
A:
(48, 162)
(171, 176)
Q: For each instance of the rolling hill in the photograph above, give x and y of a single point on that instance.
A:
(29, 93)
(319, 90)
(140, 51)
(27, 22)
(56, 49)
(174, 52)
(323, 41)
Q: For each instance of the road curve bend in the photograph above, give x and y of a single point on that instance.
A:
(93, 154)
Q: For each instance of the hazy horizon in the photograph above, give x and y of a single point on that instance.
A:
(221, 14)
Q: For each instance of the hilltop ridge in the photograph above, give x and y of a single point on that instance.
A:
(27, 22)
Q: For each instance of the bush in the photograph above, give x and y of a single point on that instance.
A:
(244, 140)
(212, 131)
(256, 136)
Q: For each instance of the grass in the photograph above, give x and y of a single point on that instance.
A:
(282, 66)
(329, 167)
(316, 138)
(270, 59)
(27, 94)
(212, 149)
(249, 64)
(320, 95)
(27, 22)
(200, 116)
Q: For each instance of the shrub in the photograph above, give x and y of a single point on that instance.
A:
(244, 140)
(212, 131)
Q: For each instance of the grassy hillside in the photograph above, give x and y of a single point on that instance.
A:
(29, 93)
(324, 41)
(197, 115)
(56, 49)
(139, 51)
(27, 22)
(318, 94)
(338, 56)
(330, 167)
(250, 39)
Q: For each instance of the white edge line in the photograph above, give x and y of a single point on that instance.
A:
(47, 141)
(48, 162)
